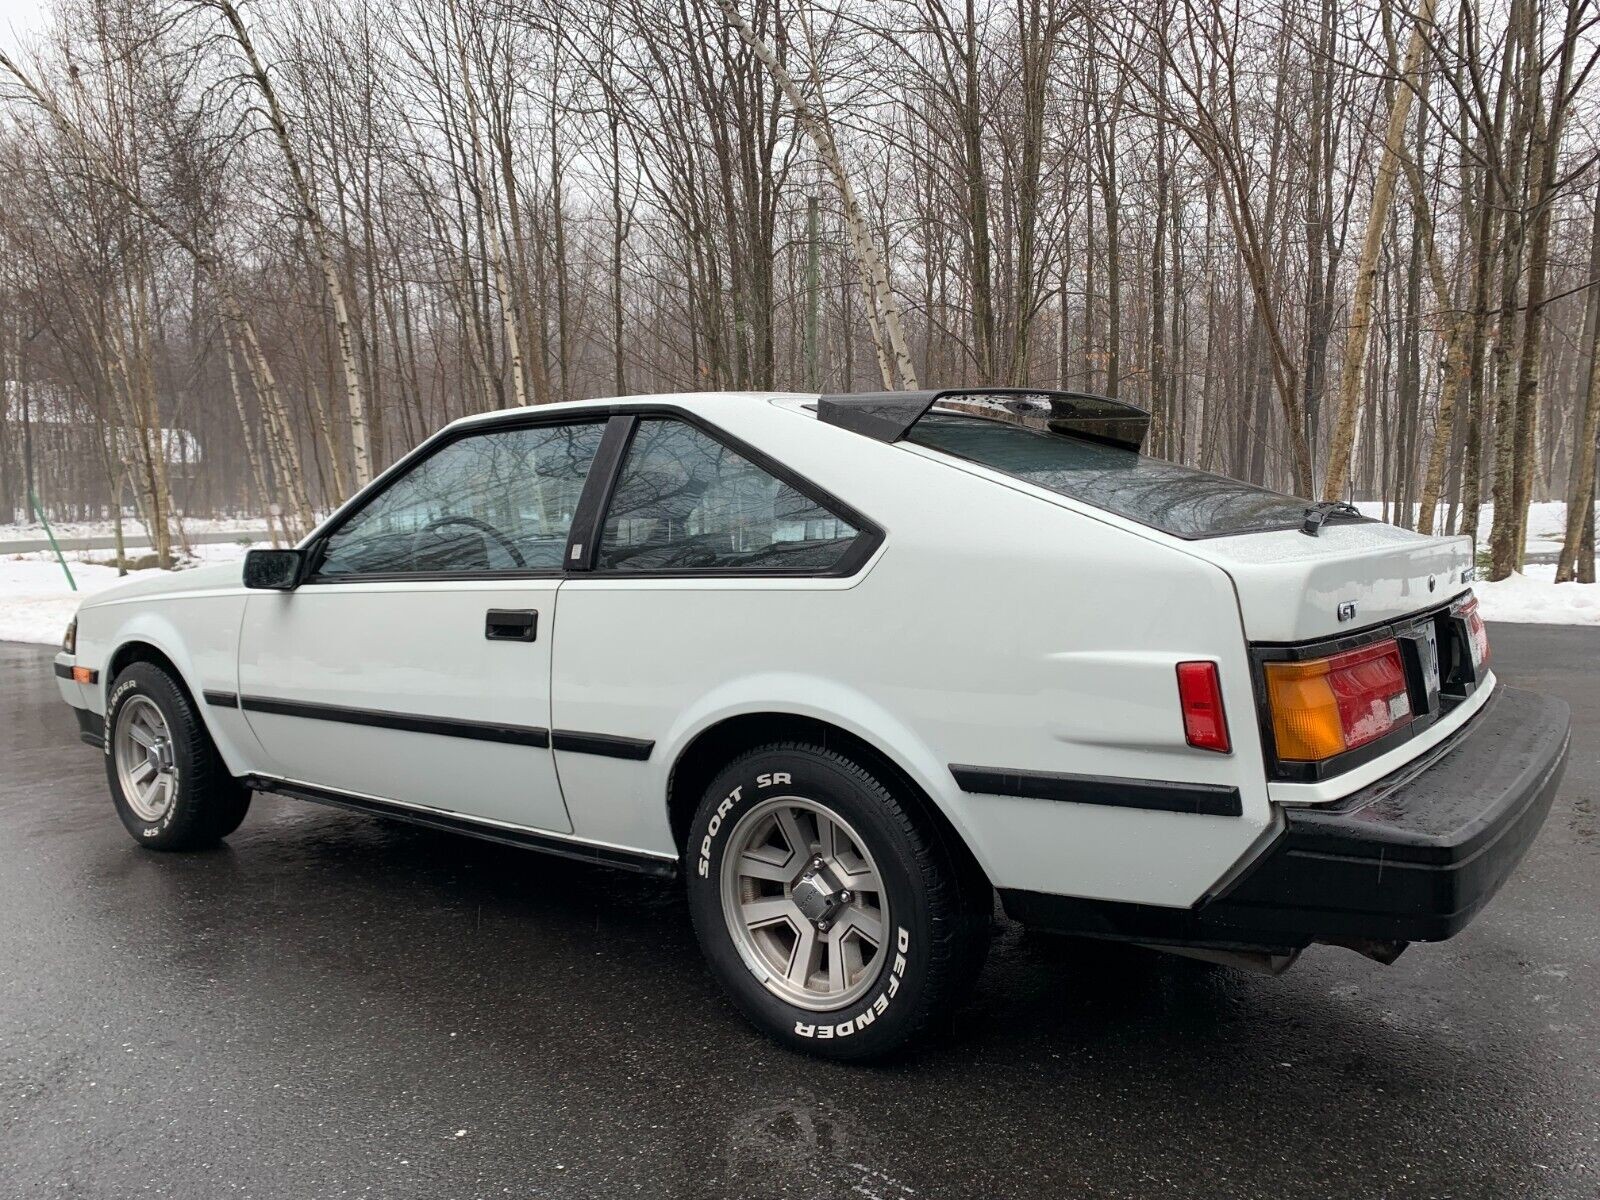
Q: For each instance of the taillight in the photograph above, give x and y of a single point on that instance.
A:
(1325, 706)
(1205, 725)
(1477, 633)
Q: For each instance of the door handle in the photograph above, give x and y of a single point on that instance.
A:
(511, 625)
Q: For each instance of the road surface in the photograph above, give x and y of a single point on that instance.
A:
(334, 1006)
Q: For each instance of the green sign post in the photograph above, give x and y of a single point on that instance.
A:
(38, 513)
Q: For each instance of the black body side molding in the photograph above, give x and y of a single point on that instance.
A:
(605, 856)
(482, 731)
(605, 744)
(1201, 799)
(222, 699)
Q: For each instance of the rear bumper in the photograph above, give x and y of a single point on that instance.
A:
(1412, 857)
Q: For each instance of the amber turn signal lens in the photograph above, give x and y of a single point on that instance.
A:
(1305, 715)
(1325, 706)
(82, 675)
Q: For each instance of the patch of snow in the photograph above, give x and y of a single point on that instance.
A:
(1547, 522)
(132, 528)
(1536, 598)
(36, 603)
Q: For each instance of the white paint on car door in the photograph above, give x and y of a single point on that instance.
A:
(384, 673)
(416, 650)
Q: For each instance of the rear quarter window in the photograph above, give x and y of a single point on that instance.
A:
(1183, 501)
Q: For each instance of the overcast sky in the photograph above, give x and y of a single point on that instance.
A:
(19, 20)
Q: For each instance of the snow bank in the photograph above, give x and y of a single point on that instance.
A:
(1537, 598)
(1547, 522)
(132, 528)
(36, 603)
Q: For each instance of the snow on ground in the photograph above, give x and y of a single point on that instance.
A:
(36, 603)
(1537, 598)
(132, 528)
(1547, 522)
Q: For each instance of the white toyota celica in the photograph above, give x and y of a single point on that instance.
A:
(851, 664)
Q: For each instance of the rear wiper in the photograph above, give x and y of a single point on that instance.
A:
(1319, 512)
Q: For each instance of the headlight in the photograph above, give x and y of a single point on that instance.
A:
(69, 642)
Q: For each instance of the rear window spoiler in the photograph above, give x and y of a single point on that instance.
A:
(889, 416)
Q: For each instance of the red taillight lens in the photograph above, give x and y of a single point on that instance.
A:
(1205, 725)
(1477, 633)
(1325, 706)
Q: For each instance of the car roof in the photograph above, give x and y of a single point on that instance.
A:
(704, 403)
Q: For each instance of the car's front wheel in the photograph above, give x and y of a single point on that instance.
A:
(838, 918)
(168, 782)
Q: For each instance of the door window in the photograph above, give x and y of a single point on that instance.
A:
(500, 501)
(684, 501)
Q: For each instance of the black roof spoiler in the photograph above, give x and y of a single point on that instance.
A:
(889, 416)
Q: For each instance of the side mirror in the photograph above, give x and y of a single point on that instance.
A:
(273, 570)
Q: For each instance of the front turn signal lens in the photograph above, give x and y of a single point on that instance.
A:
(1324, 706)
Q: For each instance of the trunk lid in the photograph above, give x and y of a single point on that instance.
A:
(1297, 588)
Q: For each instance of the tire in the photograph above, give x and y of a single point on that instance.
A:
(168, 782)
(797, 955)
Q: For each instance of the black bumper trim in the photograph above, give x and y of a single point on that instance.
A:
(65, 671)
(1203, 799)
(1412, 857)
(91, 728)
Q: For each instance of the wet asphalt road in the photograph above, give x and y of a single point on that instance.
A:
(337, 1006)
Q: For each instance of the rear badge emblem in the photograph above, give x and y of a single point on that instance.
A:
(1347, 610)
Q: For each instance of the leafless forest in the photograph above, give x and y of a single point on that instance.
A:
(253, 250)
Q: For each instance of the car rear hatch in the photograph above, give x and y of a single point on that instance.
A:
(1362, 635)
(1293, 587)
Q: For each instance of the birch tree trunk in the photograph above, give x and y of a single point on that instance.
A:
(1580, 502)
(355, 397)
(817, 126)
(1355, 350)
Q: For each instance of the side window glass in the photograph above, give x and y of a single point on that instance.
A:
(684, 501)
(500, 501)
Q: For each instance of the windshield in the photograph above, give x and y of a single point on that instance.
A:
(1179, 500)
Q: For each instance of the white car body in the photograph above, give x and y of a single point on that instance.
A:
(995, 624)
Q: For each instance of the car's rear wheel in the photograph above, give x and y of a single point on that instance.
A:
(168, 782)
(838, 917)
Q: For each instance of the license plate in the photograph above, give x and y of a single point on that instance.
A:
(1424, 640)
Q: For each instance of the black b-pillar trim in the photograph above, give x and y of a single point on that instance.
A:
(583, 540)
(482, 731)
(1203, 799)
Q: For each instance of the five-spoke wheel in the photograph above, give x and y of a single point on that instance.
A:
(146, 766)
(837, 914)
(170, 785)
(805, 903)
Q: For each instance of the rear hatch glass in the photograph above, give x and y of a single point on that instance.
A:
(1183, 501)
